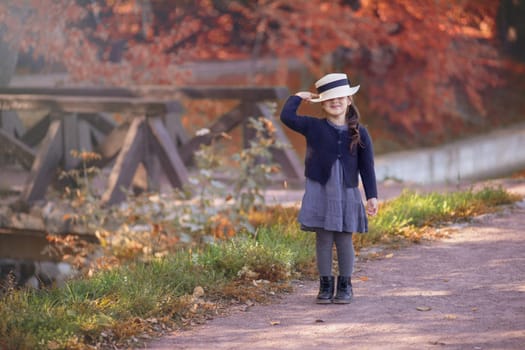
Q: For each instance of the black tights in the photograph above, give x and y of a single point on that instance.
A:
(345, 252)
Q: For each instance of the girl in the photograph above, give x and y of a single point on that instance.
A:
(338, 150)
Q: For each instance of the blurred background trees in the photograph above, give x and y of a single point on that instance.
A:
(429, 69)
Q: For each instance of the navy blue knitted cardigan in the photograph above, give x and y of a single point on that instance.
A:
(325, 144)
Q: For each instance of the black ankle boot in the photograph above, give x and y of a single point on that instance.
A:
(326, 290)
(344, 290)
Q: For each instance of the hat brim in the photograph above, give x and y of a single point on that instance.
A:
(340, 91)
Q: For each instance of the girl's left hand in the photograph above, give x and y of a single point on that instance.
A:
(372, 206)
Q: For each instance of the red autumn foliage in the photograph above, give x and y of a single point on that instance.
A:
(417, 60)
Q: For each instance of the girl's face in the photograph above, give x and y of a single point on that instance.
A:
(336, 106)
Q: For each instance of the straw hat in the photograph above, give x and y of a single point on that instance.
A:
(332, 86)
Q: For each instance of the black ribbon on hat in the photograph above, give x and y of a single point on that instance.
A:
(333, 84)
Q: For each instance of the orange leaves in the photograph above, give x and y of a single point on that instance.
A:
(222, 227)
(420, 69)
(123, 8)
(85, 155)
(218, 36)
(408, 52)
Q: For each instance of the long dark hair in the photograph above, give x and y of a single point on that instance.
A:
(352, 119)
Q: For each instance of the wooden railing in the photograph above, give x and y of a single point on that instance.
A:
(77, 119)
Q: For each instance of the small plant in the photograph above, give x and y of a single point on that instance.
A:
(80, 199)
(223, 210)
(153, 224)
(256, 166)
(205, 198)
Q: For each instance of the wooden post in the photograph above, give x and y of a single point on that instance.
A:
(167, 152)
(85, 131)
(146, 139)
(70, 136)
(128, 159)
(44, 167)
(174, 125)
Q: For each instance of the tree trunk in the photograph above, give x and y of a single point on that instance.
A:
(10, 41)
(8, 58)
(511, 27)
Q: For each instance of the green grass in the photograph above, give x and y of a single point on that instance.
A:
(113, 306)
(412, 210)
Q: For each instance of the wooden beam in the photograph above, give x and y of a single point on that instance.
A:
(224, 124)
(35, 134)
(25, 246)
(130, 156)
(10, 123)
(45, 165)
(83, 104)
(11, 145)
(150, 179)
(103, 122)
(97, 137)
(164, 92)
(70, 91)
(112, 144)
(244, 93)
(31, 244)
(171, 162)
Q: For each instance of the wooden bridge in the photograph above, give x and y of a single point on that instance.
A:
(152, 133)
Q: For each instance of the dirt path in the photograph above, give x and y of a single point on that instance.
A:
(471, 284)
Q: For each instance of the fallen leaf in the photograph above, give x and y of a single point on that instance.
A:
(388, 256)
(451, 317)
(319, 321)
(363, 278)
(437, 343)
(423, 308)
(198, 292)
(275, 323)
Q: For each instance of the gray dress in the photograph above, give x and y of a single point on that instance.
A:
(333, 207)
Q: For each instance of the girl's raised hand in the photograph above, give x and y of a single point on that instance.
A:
(306, 95)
